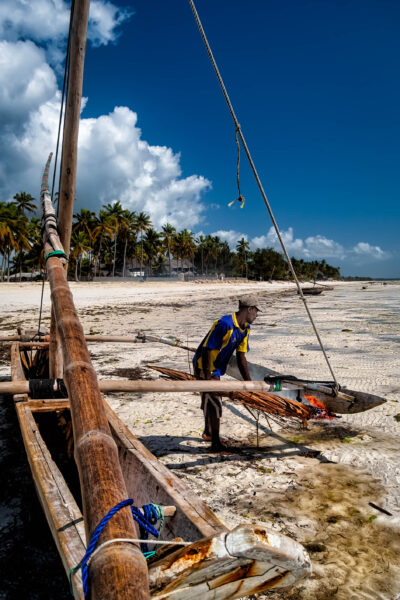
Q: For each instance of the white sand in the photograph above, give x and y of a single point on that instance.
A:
(319, 503)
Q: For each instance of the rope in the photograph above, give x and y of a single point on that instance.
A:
(240, 198)
(153, 513)
(260, 186)
(41, 306)
(63, 97)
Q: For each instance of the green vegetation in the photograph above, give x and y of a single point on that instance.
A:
(116, 240)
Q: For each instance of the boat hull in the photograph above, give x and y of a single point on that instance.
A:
(359, 402)
(217, 564)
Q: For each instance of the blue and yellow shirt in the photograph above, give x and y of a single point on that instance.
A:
(224, 337)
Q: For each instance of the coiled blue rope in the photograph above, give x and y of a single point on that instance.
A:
(145, 525)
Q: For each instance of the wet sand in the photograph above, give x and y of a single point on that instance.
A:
(314, 485)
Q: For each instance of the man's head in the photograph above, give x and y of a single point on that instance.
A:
(248, 306)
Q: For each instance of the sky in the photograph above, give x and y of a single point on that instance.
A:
(315, 86)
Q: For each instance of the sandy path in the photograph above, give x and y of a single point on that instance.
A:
(322, 502)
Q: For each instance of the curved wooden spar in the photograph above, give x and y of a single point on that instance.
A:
(118, 571)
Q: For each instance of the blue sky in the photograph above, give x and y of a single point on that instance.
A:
(315, 85)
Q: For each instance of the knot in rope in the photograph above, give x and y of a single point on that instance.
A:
(145, 526)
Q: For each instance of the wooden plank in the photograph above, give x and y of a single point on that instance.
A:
(148, 480)
(49, 405)
(247, 560)
(17, 371)
(62, 513)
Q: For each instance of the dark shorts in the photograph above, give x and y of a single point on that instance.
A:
(207, 397)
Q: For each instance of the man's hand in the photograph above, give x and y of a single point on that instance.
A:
(242, 365)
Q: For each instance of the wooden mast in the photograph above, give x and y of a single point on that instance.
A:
(77, 50)
(118, 571)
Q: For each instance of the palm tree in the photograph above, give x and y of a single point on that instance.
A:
(8, 223)
(116, 214)
(201, 240)
(85, 221)
(143, 224)
(216, 245)
(21, 241)
(243, 249)
(153, 246)
(80, 244)
(167, 235)
(104, 227)
(184, 245)
(128, 233)
(25, 203)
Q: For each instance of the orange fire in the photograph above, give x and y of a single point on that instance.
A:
(323, 413)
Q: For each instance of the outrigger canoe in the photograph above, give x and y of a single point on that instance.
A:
(217, 564)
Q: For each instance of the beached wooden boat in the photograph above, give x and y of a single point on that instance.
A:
(217, 564)
(86, 463)
(343, 401)
(311, 291)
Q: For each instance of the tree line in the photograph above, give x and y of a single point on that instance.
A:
(115, 239)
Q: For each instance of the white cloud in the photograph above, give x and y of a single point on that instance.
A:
(271, 241)
(48, 20)
(231, 236)
(318, 247)
(115, 163)
(365, 250)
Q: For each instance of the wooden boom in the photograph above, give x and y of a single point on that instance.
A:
(156, 385)
(119, 569)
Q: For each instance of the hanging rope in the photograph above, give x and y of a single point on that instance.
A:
(260, 186)
(240, 198)
(63, 96)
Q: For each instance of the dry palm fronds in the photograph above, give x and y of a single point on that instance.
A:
(274, 405)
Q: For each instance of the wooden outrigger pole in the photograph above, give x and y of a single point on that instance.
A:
(118, 570)
(69, 155)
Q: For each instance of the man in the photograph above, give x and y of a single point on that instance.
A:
(210, 361)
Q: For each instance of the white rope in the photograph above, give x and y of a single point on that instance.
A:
(260, 186)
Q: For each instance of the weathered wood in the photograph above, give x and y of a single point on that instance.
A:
(247, 560)
(68, 170)
(62, 513)
(156, 385)
(241, 564)
(55, 352)
(17, 371)
(148, 480)
(124, 573)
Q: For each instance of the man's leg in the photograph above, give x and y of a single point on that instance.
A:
(207, 428)
(212, 414)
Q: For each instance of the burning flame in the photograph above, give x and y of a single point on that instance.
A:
(321, 411)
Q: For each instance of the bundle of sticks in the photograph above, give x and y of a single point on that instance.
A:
(275, 406)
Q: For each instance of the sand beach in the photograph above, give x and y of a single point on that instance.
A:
(314, 485)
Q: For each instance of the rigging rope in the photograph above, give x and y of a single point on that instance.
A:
(240, 198)
(63, 97)
(260, 186)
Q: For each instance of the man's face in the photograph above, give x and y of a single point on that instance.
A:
(252, 313)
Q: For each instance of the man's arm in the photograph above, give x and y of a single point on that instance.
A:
(243, 366)
(205, 361)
